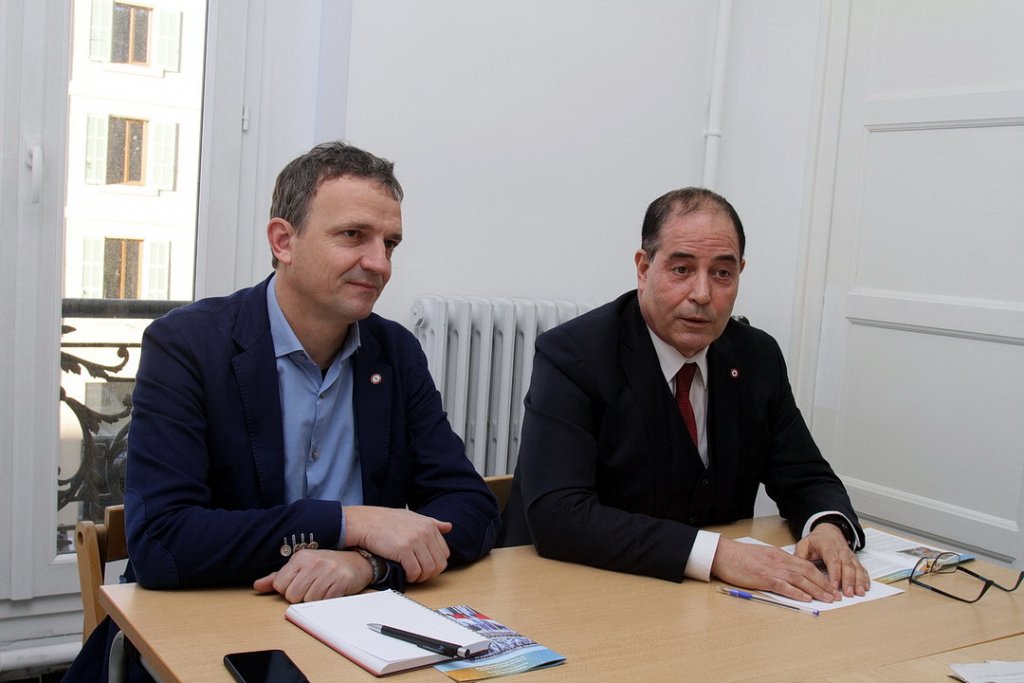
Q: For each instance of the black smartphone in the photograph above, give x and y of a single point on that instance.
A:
(264, 666)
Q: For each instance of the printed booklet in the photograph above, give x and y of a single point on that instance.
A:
(509, 653)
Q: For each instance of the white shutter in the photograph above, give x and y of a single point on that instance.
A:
(101, 23)
(96, 150)
(92, 268)
(156, 279)
(167, 34)
(163, 155)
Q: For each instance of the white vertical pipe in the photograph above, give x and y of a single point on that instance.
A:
(713, 131)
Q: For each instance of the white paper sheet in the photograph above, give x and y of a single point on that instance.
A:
(875, 592)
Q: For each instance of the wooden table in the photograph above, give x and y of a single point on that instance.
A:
(610, 626)
(936, 667)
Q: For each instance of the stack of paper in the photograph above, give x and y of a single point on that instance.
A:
(990, 672)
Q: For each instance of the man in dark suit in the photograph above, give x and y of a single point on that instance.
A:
(287, 437)
(618, 470)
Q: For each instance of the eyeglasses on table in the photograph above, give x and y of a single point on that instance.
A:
(947, 563)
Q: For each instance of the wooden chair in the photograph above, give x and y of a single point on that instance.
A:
(95, 545)
(500, 485)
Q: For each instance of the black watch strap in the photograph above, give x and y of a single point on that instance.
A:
(380, 568)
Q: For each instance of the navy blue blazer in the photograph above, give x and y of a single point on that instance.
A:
(204, 498)
(204, 495)
(608, 475)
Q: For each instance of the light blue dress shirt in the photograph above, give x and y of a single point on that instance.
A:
(321, 459)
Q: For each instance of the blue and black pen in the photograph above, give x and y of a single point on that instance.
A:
(426, 642)
(746, 595)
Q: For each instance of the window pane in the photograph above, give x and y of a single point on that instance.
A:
(136, 131)
(123, 222)
(121, 38)
(140, 35)
(130, 282)
(112, 268)
(116, 132)
(121, 269)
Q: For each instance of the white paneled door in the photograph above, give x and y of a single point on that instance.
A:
(918, 396)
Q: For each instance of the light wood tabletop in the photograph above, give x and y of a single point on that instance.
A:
(936, 667)
(609, 626)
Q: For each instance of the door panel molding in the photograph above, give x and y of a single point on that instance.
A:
(957, 109)
(912, 332)
(987, 320)
(961, 526)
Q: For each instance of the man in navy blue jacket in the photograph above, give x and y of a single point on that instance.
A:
(287, 437)
(290, 414)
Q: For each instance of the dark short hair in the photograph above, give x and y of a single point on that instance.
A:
(298, 182)
(683, 202)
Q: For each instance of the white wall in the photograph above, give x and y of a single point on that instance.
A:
(767, 130)
(531, 136)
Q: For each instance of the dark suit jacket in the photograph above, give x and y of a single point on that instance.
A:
(607, 473)
(204, 498)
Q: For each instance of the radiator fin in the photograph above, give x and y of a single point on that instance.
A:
(480, 354)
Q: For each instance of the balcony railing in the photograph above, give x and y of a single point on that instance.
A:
(98, 477)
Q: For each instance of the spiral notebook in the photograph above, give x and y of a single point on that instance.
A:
(341, 623)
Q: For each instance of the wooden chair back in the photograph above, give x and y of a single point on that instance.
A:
(500, 485)
(95, 545)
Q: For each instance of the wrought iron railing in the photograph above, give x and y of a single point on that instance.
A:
(98, 480)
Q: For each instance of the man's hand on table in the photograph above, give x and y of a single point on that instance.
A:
(828, 544)
(763, 567)
(414, 540)
(317, 575)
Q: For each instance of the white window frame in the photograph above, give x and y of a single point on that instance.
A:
(40, 604)
(35, 45)
(250, 130)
